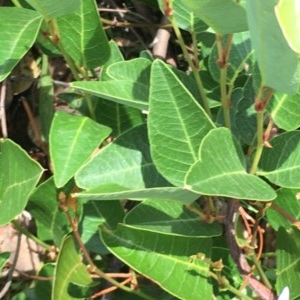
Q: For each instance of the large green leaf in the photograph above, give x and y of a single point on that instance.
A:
(220, 170)
(288, 14)
(177, 124)
(82, 36)
(19, 29)
(288, 261)
(51, 221)
(114, 192)
(283, 105)
(125, 162)
(281, 163)
(223, 17)
(170, 217)
(269, 45)
(123, 91)
(287, 201)
(164, 258)
(73, 139)
(69, 269)
(18, 177)
(54, 8)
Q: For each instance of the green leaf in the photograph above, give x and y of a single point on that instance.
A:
(96, 213)
(18, 177)
(223, 17)
(125, 162)
(73, 139)
(288, 261)
(69, 269)
(54, 8)
(177, 124)
(115, 192)
(287, 201)
(220, 170)
(281, 163)
(46, 99)
(288, 14)
(4, 258)
(170, 217)
(51, 221)
(122, 91)
(19, 29)
(165, 259)
(186, 18)
(269, 44)
(283, 105)
(83, 37)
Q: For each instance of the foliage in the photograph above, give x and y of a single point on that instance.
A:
(175, 174)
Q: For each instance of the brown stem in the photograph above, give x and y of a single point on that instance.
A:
(261, 290)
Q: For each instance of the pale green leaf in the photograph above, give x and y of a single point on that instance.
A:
(288, 16)
(115, 192)
(281, 163)
(223, 17)
(83, 37)
(164, 258)
(73, 139)
(269, 45)
(177, 124)
(220, 170)
(286, 202)
(285, 110)
(170, 217)
(18, 177)
(69, 269)
(123, 91)
(54, 8)
(288, 261)
(19, 29)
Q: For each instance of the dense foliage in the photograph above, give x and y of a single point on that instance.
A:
(155, 181)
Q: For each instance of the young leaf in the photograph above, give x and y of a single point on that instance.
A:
(164, 258)
(72, 141)
(288, 15)
(177, 124)
(18, 177)
(281, 163)
(220, 170)
(54, 8)
(19, 29)
(269, 44)
(170, 217)
(83, 37)
(69, 269)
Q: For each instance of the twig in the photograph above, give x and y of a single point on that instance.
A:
(2, 110)
(261, 290)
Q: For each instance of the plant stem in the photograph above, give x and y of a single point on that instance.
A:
(192, 66)
(261, 272)
(31, 236)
